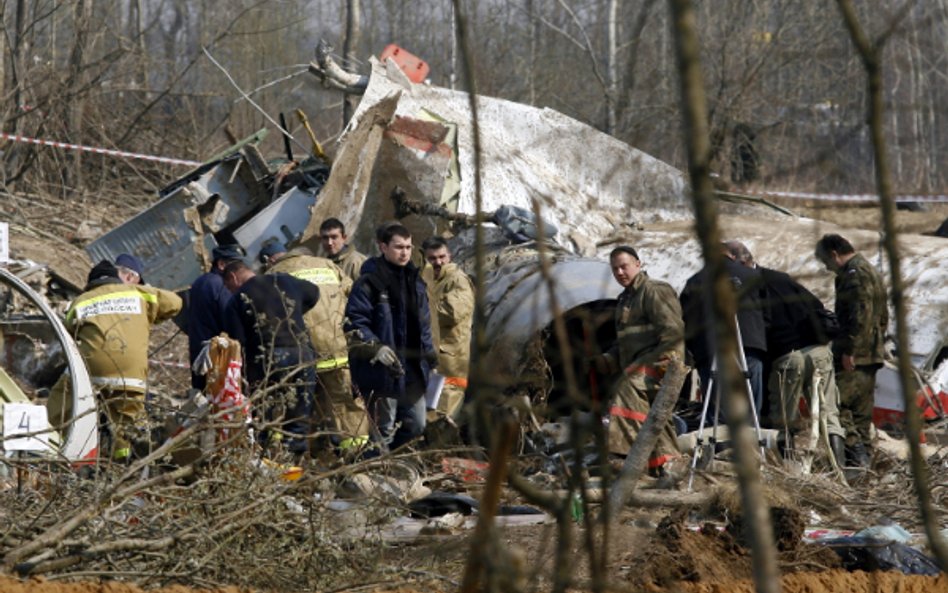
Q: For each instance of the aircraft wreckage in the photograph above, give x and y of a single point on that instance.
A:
(415, 142)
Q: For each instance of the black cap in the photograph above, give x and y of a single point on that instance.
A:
(103, 269)
(229, 252)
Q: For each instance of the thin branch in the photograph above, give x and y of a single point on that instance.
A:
(233, 82)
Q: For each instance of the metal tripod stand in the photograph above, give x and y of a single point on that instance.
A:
(699, 443)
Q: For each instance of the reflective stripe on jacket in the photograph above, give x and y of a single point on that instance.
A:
(324, 321)
(111, 324)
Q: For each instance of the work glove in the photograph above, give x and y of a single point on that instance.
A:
(387, 357)
(431, 357)
(202, 363)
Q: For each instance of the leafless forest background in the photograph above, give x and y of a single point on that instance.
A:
(782, 74)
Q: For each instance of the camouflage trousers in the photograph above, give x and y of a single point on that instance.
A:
(631, 402)
(794, 375)
(856, 400)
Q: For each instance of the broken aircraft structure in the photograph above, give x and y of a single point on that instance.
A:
(596, 191)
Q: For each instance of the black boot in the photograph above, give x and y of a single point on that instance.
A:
(858, 456)
(838, 446)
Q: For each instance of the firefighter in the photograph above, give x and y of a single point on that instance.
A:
(111, 322)
(335, 402)
(650, 333)
(451, 298)
(332, 237)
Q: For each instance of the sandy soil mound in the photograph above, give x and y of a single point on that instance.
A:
(835, 581)
(711, 555)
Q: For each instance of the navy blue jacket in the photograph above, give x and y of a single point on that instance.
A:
(208, 301)
(370, 312)
(266, 315)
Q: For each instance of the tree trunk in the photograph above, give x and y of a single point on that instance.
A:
(612, 93)
(349, 49)
(735, 396)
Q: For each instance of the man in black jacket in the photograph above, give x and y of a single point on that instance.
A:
(388, 322)
(798, 335)
(266, 316)
(699, 339)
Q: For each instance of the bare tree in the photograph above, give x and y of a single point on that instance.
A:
(871, 52)
(698, 143)
(353, 32)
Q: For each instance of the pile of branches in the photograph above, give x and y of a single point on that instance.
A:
(884, 494)
(229, 522)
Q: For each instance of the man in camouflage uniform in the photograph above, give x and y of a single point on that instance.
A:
(650, 332)
(451, 297)
(337, 407)
(863, 317)
(332, 237)
(111, 322)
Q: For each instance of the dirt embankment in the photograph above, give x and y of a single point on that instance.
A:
(835, 581)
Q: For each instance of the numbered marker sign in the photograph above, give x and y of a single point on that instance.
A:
(25, 419)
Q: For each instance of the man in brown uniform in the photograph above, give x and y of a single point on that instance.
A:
(332, 237)
(451, 298)
(650, 332)
(324, 322)
(863, 313)
(111, 322)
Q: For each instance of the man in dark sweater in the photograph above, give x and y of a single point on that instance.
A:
(751, 322)
(266, 316)
(798, 335)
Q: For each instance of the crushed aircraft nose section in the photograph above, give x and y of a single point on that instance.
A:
(80, 437)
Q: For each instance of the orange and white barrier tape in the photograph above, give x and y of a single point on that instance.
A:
(97, 150)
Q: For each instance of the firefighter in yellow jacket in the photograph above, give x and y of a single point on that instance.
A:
(451, 297)
(111, 322)
(650, 332)
(337, 406)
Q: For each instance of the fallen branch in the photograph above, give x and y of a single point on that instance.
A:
(658, 415)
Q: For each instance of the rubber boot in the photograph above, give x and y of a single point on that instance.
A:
(838, 446)
(785, 444)
(859, 456)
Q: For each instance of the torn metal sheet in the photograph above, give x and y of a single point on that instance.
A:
(283, 220)
(163, 235)
(80, 438)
